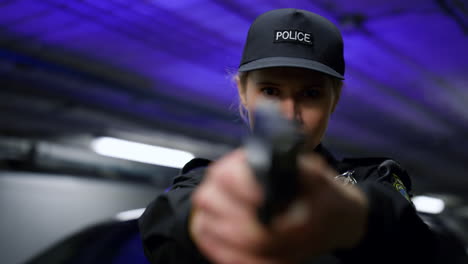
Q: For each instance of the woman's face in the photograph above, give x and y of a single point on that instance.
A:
(304, 95)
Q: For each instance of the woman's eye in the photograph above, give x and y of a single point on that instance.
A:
(270, 91)
(311, 93)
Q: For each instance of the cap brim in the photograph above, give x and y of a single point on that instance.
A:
(289, 62)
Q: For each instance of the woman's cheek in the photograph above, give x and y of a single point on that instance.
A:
(315, 124)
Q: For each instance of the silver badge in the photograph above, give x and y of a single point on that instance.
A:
(346, 178)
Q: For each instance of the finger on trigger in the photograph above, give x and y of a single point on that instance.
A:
(241, 183)
(218, 202)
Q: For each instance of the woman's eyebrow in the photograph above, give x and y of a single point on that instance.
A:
(314, 85)
(267, 83)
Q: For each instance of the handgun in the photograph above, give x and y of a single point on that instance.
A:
(272, 149)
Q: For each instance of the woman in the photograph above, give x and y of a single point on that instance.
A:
(295, 58)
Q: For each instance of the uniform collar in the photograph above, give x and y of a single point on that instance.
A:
(332, 161)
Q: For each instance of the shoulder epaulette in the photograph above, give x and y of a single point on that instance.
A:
(386, 167)
(348, 163)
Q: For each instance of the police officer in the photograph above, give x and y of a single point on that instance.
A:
(295, 58)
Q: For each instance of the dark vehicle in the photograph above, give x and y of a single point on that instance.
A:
(64, 218)
(113, 242)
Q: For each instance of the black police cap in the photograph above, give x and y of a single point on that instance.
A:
(294, 38)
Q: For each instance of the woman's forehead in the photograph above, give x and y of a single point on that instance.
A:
(287, 74)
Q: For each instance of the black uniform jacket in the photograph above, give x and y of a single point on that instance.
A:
(395, 233)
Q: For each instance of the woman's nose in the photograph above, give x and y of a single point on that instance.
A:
(289, 108)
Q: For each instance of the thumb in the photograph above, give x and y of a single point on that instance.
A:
(314, 172)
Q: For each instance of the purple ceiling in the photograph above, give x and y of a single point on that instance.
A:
(406, 79)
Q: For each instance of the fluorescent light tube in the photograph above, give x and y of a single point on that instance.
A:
(130, 214)
(430, 205)
(123, 149)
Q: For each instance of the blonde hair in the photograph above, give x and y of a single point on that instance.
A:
(244, 114)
